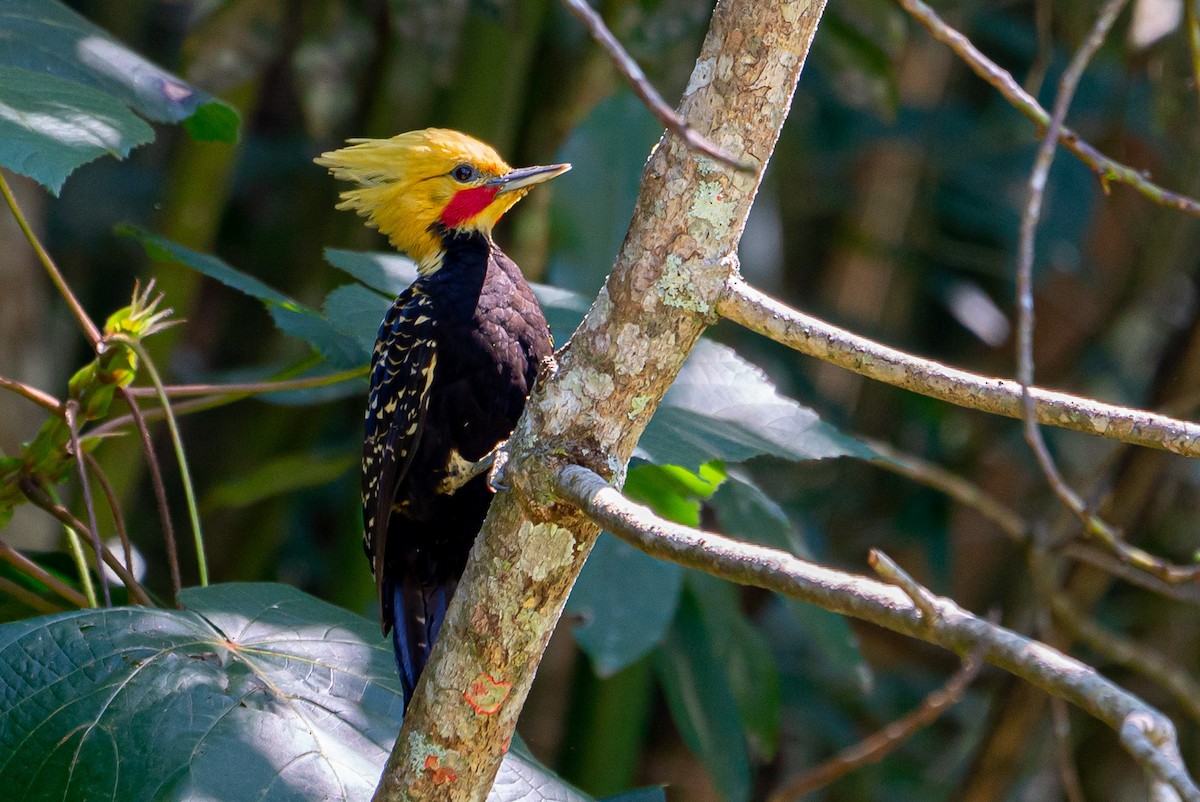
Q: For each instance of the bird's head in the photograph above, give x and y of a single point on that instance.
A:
(415, 186)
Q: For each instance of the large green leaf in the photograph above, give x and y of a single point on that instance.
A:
(254, 691)
(610, 147)
(625, 601)
(747, 513)
(721, 407)
(746, 657)
(70, 93)
(291, 317)
(625, 598)
(702, 703)
(50, 126)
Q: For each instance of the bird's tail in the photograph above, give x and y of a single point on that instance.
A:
(419, 610)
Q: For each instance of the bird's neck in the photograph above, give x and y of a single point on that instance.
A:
(459, 251)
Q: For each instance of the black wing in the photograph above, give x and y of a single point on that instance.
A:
(402, 368)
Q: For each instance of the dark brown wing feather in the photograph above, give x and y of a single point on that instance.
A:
(402, 370)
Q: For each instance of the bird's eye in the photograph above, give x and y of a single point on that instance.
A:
(463, 173)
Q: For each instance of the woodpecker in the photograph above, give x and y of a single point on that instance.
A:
(455, 359)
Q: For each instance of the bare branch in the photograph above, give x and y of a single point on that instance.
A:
(85, 322)
(42, 399)
(645, 91)
(964, 492)
(160, 492)
(31, 569)
(759, 312)
(28, 597)
(1123, 651)
(893, 574)
(71, 412)
(114, 507)
(1105, 168)
(1146, 733)
(40, 499)
(1192, 23)
(880, 744)
(1030, 218)
(246, 389)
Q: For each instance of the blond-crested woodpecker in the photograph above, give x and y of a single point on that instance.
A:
(456, 357)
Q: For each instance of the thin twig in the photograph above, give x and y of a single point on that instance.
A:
(42, 399)
(28, 597)
(1105, 168)
(1068, 772)
(31, 569)
(85, 322)
(189, 492)
(160, 493)
(114, 507)
(220, 398)
(1043, 15)
(956, 487)
(1104, 560)
(1192, 21)
(889, 571)
(1128, 653)
(39, 498)
(71, 412)
(247, 389)
(642, 87)
(1025, 308)
(1144, 732)
(879, 745)
(759, 312)
(71, 532)
(1014, 526)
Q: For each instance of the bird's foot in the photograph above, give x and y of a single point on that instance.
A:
(499, 457)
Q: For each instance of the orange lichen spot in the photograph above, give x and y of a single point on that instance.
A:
(485, 694)
(442, 775)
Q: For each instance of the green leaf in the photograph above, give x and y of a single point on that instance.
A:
(625, 600)
(357, 312)
(50, 126)
(721, 407)
(213, 122)
(254, 691)
(746, 657)
(70, 93)
(389, 273)
(277, 477)
(292, 318)
(747, 513)
(166, 250)
(702, 703)
(656, 794)
(339, 349)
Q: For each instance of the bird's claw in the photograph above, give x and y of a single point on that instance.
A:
(495, 478)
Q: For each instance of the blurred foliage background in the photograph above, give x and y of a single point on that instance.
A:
(890, 207)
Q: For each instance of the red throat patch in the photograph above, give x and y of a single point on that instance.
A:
(467, 203)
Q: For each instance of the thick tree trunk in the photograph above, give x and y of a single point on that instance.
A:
(592, 406)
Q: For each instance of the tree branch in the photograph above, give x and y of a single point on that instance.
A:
(882, 743)
(759, 312)
(1146, 733)
(1106, 169)
(594, 402)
